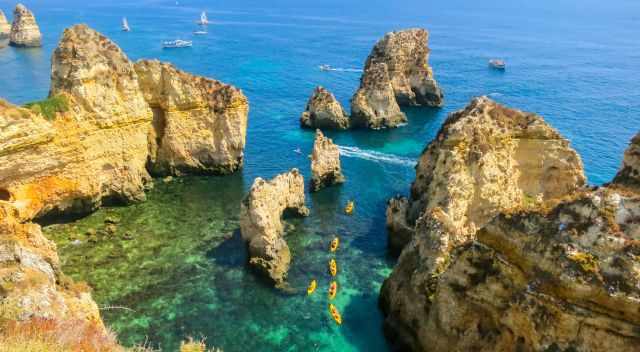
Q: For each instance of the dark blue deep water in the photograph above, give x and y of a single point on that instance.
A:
(577, 63)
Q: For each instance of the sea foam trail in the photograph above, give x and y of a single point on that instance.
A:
(355, 152)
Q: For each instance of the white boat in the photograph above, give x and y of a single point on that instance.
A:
(325, 68)
(125, 25)
(178, 43)
(199, 32)
(498, 64)
(203, 19)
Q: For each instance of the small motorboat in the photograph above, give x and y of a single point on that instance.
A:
(335, 314)
(297, 151)
(349, 208)
(178, 43)
(333, 267)
(334, 244)
(312, 287)
(498, 64)
(200, 32)
(125, 25)
(333, 289)
(203, 19)
(325, 68)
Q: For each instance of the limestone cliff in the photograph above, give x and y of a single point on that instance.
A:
(486, 159)
(5, 27)
(406, 54)
(325, 163)
(24, 29)
(199, 123)
(374, 104)
(324, 111)
(261, 221)
(629, 174)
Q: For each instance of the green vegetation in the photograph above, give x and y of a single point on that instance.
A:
(50, 106)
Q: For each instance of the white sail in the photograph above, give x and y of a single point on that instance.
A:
(125, 25)
(203, 18)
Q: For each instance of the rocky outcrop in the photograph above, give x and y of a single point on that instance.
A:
(261, 222)
(199, 123)
(98, 149)
(374, 104)
(629, 173)
(485, 160)
(5, 27)
(406, 56)
(325, 163)
(324, 111)
(24, 29)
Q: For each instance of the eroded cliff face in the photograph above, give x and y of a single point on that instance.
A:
(24, 29)
(261, 222)
(406, 55)
(629, 173)
(324, 111)
(199, 123)
(325, 163)
(374, 104)
(5, 27)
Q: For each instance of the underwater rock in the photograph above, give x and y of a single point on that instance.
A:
(200, 124)
(374, 104)
(5, 27)
(629, 173)
(564, 278)
(324, 111)
(406, 55)
(24, 29)
(261, 223)
(486, 159)
(325, 163)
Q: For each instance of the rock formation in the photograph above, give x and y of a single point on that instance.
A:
(325, 163)
(261, 224)
(99, 148)
(486, 159)
(374, 104)
(199, 123)
(629, 174)
(406, 55)
(24, 29)
(324, 111)
(5, 27)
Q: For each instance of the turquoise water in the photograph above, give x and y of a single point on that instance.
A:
(177, 260)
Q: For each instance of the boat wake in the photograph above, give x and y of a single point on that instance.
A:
(338, 69)
(355, 152)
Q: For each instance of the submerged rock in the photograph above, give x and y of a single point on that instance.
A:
(199, 123)
(374, 104)
(261, 224)
(325, 163)
(24, 29)
(629, 173)
(324, 111)
(406, 55)
(486, 159)
(5, 27)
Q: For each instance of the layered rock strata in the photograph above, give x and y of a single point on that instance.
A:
(5, 27)
(324, 111)
(199, 123)
(406, 56)
(24, 29)
(374, 104)
(261, 223)
(325, 163)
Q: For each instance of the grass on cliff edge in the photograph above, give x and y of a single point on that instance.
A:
(49, 107)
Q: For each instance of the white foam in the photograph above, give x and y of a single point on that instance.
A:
(355, 152)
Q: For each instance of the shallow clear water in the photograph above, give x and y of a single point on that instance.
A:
(182, 270)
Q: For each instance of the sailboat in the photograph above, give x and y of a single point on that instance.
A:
(125, 25)
(203, 19)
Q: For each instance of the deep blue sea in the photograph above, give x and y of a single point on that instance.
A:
(577, 63)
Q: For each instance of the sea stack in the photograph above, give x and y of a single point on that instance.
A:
(325, 163)
(5, 27)
(374, 104)
(324, 111)
(24, 30)
(261, 224)
(629, 173)
(406, 54)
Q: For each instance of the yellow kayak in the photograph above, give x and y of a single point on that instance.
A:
(312, 287)
(333, 289)
(335, 314)
(334, 244)
(349, 208)
(333, 267)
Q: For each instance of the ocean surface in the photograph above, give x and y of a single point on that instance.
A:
(176, 266)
